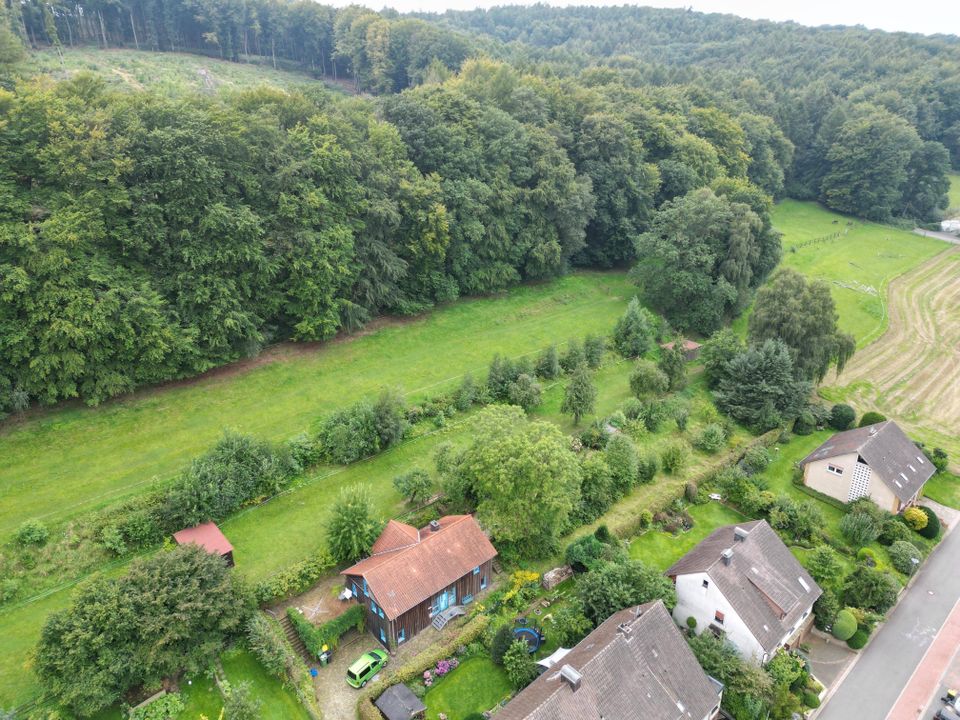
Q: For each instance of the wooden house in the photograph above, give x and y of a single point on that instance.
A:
(691, 349)
(417, 578)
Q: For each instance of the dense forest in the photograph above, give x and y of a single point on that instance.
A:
(144, 238)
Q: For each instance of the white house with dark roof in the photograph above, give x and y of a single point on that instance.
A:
(877, 461)
(634, 666)
(743, 583)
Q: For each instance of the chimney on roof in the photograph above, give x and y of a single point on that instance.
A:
(571, 677)
(434, 525)
(727, 556)
(625, 629)
(739, 534)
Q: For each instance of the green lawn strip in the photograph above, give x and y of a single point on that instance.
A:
(661, 549)
(68, 460)
(858, 265)
(944, 488)
(169, 74)
(475, 686)
(200, 696)
(278, 702)
(954, 195)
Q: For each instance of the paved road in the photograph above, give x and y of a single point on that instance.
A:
(949, 237)
(876, 681)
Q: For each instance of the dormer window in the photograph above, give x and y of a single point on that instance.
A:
(718, 617)
(835, 469)
(706, 584)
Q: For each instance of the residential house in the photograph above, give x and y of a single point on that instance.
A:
(417, 578)
(743, 583)
(877, 461)
(635, 666)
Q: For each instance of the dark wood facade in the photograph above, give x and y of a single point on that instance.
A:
(395, 632)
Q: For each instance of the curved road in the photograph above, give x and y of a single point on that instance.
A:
(871, 689)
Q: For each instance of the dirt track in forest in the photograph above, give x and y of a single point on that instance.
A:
(912, 372)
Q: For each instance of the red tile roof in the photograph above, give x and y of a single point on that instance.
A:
(402, 578)
(687, 345)
(207, 536)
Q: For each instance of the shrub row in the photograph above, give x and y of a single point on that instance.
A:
(470, 631)
(294, 579)
(267, 640)
(329, 633)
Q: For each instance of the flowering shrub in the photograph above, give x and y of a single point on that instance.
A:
(427, 679)
(442, 667)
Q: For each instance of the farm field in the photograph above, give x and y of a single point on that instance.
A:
(169, 74)
(69, 459)
(858, 265)
(911, 372)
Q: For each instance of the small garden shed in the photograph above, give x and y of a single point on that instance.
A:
(208, 536)
(691, 349)
(399, 703)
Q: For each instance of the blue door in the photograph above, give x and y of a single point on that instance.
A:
(445, 600)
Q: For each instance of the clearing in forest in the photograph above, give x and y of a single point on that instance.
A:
(912, 371)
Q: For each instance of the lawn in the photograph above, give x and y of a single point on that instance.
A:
(200, 697)
(661, 549)
(858, 265)
(475, 686)
(944, 488)
(170, 74)
(278, 701)
(954, 195)
(61, 462)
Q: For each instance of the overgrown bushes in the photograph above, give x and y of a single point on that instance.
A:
(314, 638)
(363, 429)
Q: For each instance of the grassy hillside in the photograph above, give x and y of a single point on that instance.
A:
(69, 459)
(955, 194)
(857, 258)
(168, 73)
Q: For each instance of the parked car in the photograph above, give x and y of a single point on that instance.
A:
(366, 666)
(947, 712)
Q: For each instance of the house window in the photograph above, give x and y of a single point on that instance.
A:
(401, 636)
(483, 582)
(706, 583)
(383, 636)
(467, 599)
(718, 617)
(373, 607)
(365, 587)
(835, 469)
(476, 570)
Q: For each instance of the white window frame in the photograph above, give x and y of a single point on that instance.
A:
(834, 469)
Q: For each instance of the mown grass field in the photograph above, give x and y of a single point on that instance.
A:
(169, 74)
(67, 460)
(858, 265)
(661, 549)
(475, 686)
(954, 194)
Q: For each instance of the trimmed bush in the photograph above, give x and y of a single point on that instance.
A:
(858, 640)
(932, 528)
(294, 579)
(810, 699)
(842, 416)
(871, 418)
(915, 518)
(805, 423)
(905, 556)
(844, 626)
(893, 529)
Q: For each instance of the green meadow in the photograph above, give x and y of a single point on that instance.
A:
(857, 265)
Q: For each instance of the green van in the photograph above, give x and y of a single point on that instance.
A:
(368, 665)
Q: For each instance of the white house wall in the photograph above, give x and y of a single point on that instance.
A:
(816, 476)
(694, 600)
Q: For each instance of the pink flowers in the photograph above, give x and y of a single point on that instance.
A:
(441, 669)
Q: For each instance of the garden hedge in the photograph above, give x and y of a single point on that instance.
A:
(858, 640)
(932, 528)
(330, 632)
(294, 579)
(810, 699)
(844, 626)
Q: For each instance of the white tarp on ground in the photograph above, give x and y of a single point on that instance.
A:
(950, 226)
(558, 655)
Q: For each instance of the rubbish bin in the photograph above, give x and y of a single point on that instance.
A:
(325, 656)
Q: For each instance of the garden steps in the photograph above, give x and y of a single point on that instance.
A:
(441, 620)
(294, 639)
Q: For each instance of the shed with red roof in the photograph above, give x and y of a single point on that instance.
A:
(208, 536)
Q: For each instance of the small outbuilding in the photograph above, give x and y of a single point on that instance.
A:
(208, 536)
(399, 703)
(691, 349)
